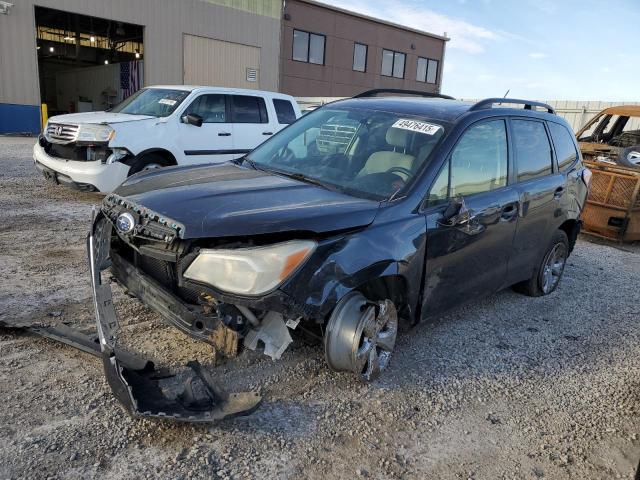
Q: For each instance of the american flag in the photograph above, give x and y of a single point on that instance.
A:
(130, 78)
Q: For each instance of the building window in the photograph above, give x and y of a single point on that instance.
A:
(308, 47)
(427, 70)
(393, 64)
(359, 57)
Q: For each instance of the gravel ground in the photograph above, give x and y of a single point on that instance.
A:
(505, 387)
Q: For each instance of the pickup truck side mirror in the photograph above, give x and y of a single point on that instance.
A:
(456, 213)
(192, 119)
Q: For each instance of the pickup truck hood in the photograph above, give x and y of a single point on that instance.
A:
(227, 200)
(97, 117)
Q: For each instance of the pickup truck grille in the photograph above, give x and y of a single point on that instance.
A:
(61, 133)
(335, 138)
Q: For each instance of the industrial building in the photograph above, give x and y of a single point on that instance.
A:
(331, 52)
(60, 56)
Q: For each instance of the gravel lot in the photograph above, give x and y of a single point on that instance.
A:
(505, 387)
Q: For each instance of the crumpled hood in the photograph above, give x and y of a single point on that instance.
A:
(97, 117)
(227, 200)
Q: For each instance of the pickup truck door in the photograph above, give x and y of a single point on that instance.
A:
(467, 256)
(213, 141)
(252, 124)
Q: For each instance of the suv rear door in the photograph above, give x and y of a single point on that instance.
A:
(540, 188)
(470, 260)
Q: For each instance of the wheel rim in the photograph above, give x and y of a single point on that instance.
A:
(553, 267)
(361, 335)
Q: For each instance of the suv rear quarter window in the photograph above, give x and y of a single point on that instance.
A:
(532, 149)
(566, 152)
(248, 109)
(284, 110)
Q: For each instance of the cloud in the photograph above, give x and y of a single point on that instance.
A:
(464, 35)
(538, 55)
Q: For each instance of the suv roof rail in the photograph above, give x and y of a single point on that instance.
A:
(374, 92)
(528, 104)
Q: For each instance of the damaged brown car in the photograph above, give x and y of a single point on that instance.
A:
(610, 145)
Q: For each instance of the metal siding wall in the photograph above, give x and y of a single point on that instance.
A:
(215, 62)
(165, 22)
(577, 112)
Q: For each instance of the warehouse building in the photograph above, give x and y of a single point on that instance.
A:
(61, 56)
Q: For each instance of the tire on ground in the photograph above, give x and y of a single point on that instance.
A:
(533, 286)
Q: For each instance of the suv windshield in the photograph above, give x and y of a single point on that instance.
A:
(367, 153)
(155, 102)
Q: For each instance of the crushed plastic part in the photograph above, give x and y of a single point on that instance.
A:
(273, 332)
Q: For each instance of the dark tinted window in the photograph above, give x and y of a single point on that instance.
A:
(563, 142)
(284, 111)
(479, 160)
(210, 107)
(532, 148)
(248, 109)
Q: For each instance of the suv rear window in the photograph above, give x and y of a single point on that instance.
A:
(284, 110)
(532, 148)
(248, 109)
(563, 142)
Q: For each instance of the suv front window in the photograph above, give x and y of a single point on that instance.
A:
(153, 102)
(366, 153)
(478, 163)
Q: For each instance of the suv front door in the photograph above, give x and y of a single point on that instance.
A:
(468, 260)
(540, 189)
(213, 141)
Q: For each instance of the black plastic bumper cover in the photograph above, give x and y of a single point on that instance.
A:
(191, 396)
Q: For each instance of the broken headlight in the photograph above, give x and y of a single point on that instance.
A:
(249, 271)
(90, 132)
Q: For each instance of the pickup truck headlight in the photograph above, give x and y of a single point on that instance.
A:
(249, 271)
(95, 133)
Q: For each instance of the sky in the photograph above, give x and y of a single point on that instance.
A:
(542, 49)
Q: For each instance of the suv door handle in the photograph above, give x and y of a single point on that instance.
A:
(509, 211)
(559, 192)
(267, 133)
(224, 134)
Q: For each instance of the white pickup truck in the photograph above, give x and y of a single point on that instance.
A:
(156, 127)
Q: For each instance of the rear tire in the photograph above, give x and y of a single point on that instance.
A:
(548, 272)
(147, 162)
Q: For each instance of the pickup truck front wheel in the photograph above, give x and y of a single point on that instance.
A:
(147, 162)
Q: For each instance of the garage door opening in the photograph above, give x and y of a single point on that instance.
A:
(86, 63)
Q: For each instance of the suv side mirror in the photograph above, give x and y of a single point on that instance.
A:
(192, 119)
(456, 213)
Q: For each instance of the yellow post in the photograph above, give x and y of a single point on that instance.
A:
(44, 114)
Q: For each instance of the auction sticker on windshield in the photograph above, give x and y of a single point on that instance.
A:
(416, 126)
(167, 101)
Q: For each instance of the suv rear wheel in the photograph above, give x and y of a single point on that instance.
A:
(549, 272)
(147, 162)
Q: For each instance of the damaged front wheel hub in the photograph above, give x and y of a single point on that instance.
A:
(360, 336)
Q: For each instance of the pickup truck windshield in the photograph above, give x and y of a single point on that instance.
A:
(365, 153)
(155, 102)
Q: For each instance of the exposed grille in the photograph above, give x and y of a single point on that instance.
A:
(61, 133)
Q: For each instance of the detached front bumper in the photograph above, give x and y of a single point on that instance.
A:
(142, 391)
(81, 175)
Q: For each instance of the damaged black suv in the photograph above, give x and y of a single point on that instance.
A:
(364, 212)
